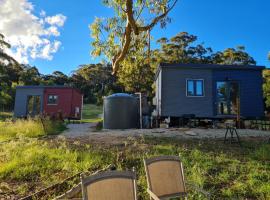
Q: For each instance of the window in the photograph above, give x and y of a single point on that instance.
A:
(195, 88)
(52, 99)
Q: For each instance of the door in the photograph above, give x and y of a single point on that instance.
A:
(228, 97)
(33, 105)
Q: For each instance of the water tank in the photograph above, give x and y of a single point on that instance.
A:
(121, 111)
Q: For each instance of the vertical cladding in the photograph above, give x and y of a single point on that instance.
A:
(251, 94)
(76, 102)
(20, 109)
(69, 100)
(64, 101)
(175, 103)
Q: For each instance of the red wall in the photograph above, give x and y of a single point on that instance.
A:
(68, 99)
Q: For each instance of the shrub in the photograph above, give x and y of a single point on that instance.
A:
(31, 127)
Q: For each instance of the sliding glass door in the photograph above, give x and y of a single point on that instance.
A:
(33, 105)
(228, 98)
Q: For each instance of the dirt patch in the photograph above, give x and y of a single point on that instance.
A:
(87, 133)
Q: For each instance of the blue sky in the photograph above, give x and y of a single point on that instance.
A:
(219, 24)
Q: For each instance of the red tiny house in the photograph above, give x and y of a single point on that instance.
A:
(65, 100)
(48, 100)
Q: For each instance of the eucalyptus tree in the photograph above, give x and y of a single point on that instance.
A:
(181, 48)
(136, 73)
(233, 56)
(95, 81)
(266, 85)
(113, 36)
(4, 57)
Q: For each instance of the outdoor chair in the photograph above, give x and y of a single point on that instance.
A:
(165, 178)
(110, 185)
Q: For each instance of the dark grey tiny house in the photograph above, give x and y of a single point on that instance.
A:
(208, 90)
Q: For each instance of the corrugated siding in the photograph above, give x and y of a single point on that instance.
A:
(175, 103)
(20, 109)
(251, 95)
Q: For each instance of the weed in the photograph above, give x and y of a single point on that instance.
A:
(32, 127)
(227, 174)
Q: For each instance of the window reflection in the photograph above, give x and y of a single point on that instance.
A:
(195, 88)
(227, 95)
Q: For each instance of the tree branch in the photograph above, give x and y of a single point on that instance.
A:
(140, 12)
(157, 19)
(130, 17)
(131, 26)
(121, 55)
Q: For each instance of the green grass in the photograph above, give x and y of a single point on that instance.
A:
(228, 172)
(91, 113)
(5, 115)
(32, 127)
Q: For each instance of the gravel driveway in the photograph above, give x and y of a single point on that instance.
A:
(88, 129)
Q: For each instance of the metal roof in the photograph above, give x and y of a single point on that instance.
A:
(212, 66)
(42, 86)
(207, 66)
(47, 87)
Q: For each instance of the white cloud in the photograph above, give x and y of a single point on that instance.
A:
(57, 20)
(31, 36)
(53, 30)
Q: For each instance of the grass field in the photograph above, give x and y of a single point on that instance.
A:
(31, 162)
(227, 172)
(5, 115)
(32, 128)
(91, 113)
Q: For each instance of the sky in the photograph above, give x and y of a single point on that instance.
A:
(54, 34)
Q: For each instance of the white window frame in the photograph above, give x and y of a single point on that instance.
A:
(195, 79)
(52, 103)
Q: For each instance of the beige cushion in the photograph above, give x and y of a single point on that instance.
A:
(166, 178)
(111, 189)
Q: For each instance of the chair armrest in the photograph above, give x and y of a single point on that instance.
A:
(199, 189)
(152, 194)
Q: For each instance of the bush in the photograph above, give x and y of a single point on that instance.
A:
(32, 127)
(34, 160)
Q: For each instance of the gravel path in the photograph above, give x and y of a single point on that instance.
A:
(88, 129)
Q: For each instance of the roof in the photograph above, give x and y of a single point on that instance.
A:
(120, 96)
(208, 66)
(46, 87)
(42, 86)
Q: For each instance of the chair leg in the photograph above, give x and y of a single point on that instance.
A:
(231, 131)
(225, 138)
(238, 138)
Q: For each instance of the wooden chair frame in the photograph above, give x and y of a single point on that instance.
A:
(85, 181)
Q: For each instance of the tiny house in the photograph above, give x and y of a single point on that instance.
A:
(48, 100)
(209, 90)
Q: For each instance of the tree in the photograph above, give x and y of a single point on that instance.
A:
(9, 74)
(136, 74)
(119, 31)
(233, 56)
(95, 81)
(181, 49)
(56, 78)
(266, 87)
(4, 57)
(30, 75)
